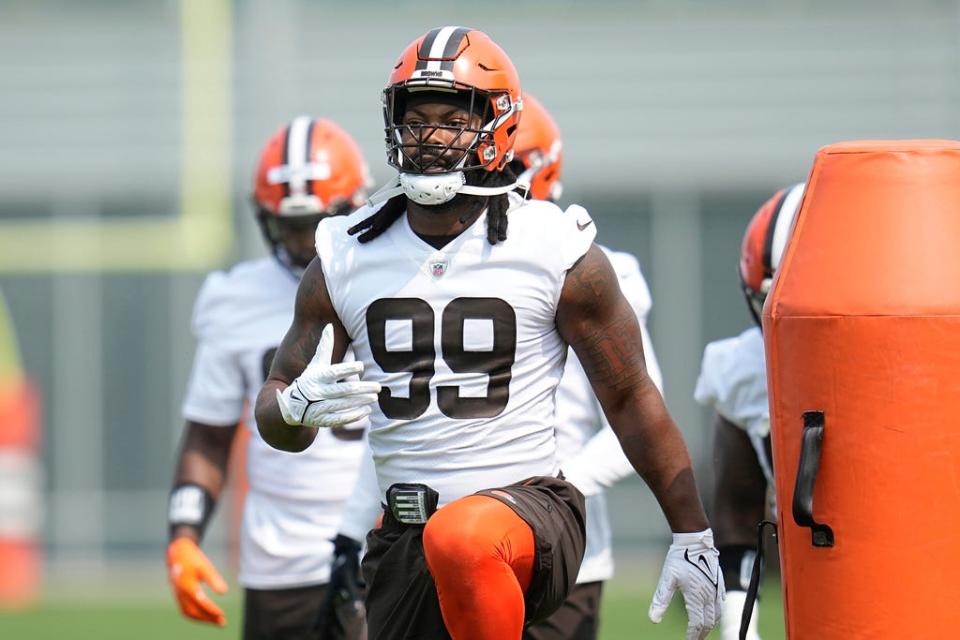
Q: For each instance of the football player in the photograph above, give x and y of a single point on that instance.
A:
(588, 451)
(733, 381)
(309, 170)
(459, 301)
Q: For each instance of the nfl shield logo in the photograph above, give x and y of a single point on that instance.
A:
(438, 268)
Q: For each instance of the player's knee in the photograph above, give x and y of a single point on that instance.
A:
(446, 541)
(458, 535)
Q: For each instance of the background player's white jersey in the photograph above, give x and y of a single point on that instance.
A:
(463, 340)
(586, 445)
(733, 380)
(293, 507)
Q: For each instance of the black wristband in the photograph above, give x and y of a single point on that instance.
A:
(190, 505)
(736, 563)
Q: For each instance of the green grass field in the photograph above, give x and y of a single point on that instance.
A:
(123, 617)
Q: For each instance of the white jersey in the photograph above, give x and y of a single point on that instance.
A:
(733, 380)
(463, 340)
(293, 507)
(586, 445)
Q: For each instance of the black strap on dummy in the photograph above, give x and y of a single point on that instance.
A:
(753, 590)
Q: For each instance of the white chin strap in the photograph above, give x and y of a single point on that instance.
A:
(434, 188)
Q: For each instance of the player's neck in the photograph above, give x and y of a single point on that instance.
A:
(447, 219)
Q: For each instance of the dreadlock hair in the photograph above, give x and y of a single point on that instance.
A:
(497, 206)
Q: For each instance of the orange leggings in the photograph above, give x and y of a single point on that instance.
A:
(480, 554)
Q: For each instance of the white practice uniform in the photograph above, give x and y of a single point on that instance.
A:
(293, 506)
(463, 340)
(587, 448)
(589, 451)
(733, 380)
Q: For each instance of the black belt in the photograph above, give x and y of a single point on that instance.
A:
(411, 503)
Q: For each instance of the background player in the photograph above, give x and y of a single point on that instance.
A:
(587, 448)
(733, 380)
(508, 542)
(310, 169)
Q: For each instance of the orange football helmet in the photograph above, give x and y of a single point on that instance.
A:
(538, 151)
(309, 169)
(764, 243)
(466, 61)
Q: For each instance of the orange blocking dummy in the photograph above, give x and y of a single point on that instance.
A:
(21, 504)
(20, 494)
(862, 335)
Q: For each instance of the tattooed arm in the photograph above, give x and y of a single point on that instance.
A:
(597, 322)
(312, 312)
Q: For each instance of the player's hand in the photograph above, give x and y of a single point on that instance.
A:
(692, 566)
(189, 568)
(342, 614)
(321, 397)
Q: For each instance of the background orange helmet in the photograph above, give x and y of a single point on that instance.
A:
(538, 151)
(764, 243)
(469, 62)
(309, 169)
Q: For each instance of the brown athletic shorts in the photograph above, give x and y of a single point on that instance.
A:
(402, 601)
(578, 618)
(291, 614)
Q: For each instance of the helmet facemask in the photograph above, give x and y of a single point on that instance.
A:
(471, 147)
(432, 173)
(756, 299)
(273, 227)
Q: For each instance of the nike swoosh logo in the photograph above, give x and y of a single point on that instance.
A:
(584, 226)
(704, 569)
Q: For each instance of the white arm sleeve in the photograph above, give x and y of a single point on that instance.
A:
(601, 462)
(363, 507)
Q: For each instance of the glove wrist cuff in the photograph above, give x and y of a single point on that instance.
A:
(293, 406)
(704, 537)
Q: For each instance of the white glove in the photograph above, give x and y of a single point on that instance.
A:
(317, 399)
(733, 613)
(693, 566)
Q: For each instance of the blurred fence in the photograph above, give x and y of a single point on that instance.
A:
(129, 131)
